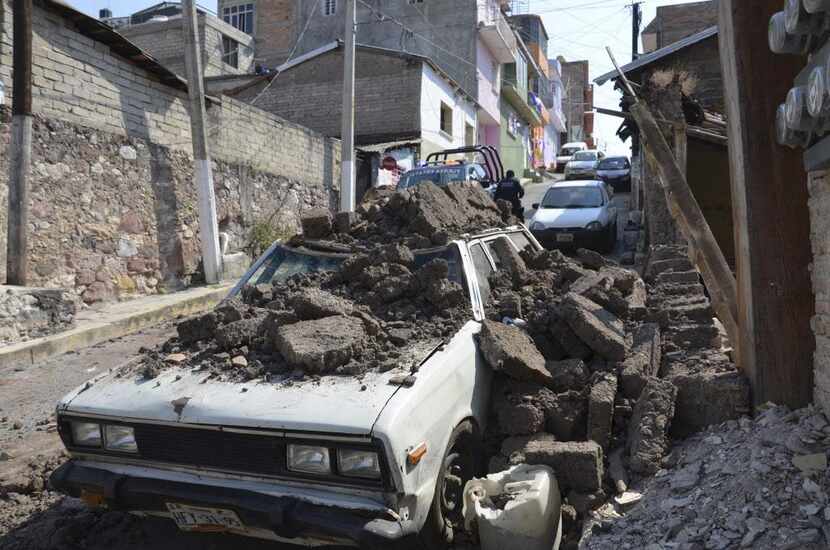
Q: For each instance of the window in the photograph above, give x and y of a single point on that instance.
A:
(469, 135)
(521, 241)
(483, 270)
(240, 16)
(230, 51)
(446, 119)
(329, 7)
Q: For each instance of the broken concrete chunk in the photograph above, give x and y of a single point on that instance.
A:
(578, 465)
(624, 279)
(591, 258)
(591, 281)
(523, 418)
(316, 223)
(397, 253)
(616, 471)
(238, 333)
(511, 350)
(569, 341)
(678, 277)
(176, 358)
(601, 409)
(566, 415)
(643, 362)
(648, 429)
(708, 397)
(656, 267)
(600, 330)
(322, 345)
(509, 258)
(197, 328)
(343, 221)
(569, 374)
(314, 303)
(585, 502)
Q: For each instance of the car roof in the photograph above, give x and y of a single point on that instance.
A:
(577, 183)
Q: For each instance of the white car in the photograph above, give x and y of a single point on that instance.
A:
(374, 462)
(583, 165)
(576, 214)
(567, 152)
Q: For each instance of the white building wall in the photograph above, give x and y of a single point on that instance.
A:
(434, 91)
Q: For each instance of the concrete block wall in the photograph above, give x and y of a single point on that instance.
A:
(113, 209)
(819, 188)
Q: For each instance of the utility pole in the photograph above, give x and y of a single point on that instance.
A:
(347, 167)
(636, 21)
(17, 250)
(208, 228)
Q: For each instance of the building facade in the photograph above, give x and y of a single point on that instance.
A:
(579, 102)
(674, 23)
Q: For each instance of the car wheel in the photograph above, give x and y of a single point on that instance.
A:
(462, 462)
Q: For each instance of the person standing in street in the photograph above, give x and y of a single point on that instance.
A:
(511, 190)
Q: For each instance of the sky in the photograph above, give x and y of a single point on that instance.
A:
(578, 29)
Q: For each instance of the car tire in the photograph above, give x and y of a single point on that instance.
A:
(462, 462)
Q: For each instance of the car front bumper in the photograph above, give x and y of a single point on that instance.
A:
(582, 238)
(617, 182)
(288, 518)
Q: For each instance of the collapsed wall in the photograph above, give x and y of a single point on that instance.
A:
(608, 368)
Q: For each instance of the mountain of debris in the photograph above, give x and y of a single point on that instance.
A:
(370, 314)
(602, 369)
(761, 484)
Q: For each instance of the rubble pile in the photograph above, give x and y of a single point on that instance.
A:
(761, 484)
(381, 309)
(596, 368)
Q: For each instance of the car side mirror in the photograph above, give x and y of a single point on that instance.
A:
(536, 206)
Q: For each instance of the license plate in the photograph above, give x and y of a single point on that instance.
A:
(564, 237)
(197, 518)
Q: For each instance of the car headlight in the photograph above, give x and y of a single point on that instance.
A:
(594, 226)
(354, 463)
(537, 226)
(309, 459)
(120, 439)
(86, 434)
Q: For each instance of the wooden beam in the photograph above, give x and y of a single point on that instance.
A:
(690, 220)
(769, 209)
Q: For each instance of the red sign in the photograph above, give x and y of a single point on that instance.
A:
(389, 163)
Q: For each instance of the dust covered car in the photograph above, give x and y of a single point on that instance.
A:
(337, 397)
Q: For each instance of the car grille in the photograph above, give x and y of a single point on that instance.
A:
(211, 448)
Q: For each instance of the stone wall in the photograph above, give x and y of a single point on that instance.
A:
(113, 209)
(674, 23)
(819, 188)
(27, 313)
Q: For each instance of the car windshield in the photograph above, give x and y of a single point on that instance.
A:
(568, 151)
(572, 197)
(283, 262)
(585, 155)
(439, 175)
(613, 164)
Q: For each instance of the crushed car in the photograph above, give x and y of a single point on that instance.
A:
(338, 396)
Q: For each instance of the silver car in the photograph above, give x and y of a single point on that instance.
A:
(583, 166)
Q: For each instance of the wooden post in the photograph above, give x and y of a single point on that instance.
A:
(693, 225)
(17, 249)
(769, 209)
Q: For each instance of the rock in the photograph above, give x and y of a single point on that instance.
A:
(642, 362)
(510, 350)
(322, 345)
(601, 331)
(397, 253)
(238, 334)
(578, 465)
(126, 248)
(314, 303)
(569, 374)
(678, 277)
(708, 397)
(566, 415)
(591, 258)
(601, 409)
(127, 152)
(131, 223)
(585, 502)
(687, 478)
(636, 300)
(239, 361)
(197, 328)
(523, 418)
(84, 277)
(656, 267)
(649, 425)
(591, 281)
(569, 341)
(97, 292)
(628, 500)
(316, 223)
(811, 464)
(510, 305)
(343, 221)
(176, 358)
(509, 259)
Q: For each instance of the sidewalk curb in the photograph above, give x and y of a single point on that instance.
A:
(91, 333)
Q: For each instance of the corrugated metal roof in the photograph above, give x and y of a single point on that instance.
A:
(656, 55)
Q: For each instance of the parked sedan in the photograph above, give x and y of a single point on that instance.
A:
(616, 172)
(583, 166)
(576, 214)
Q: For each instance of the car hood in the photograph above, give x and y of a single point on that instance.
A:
(335, 404)
(566, 217)
(581, 164)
